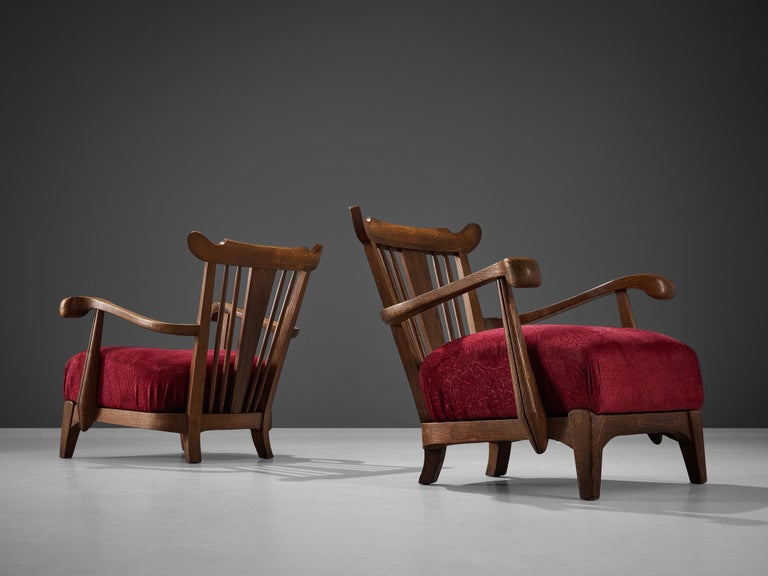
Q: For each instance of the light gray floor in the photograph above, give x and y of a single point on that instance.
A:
(346, 501)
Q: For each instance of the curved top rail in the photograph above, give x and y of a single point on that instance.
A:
(440, 240)
(234, 253)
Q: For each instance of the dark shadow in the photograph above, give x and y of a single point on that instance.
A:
(718, 503)
(285, 467)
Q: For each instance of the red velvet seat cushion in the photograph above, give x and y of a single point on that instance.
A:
(603, 369)
(142, 379)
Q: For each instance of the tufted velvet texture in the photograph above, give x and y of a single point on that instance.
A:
(142, 379)
(603, 369)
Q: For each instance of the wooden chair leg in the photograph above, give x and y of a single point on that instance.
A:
(588, 453)
(69, 431)
(693, 449)
(191, 444)
(433, 463)
(498, 458)
(260, 437)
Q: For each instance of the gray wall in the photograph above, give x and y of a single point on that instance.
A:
(600, 138)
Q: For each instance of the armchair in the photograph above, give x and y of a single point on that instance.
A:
(225, 379)
(478, 379)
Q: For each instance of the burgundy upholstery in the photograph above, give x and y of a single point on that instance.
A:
(142, 379)
(603, 369)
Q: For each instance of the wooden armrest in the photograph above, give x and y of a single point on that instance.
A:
(652, 284)
(78, 306)
(518, 272)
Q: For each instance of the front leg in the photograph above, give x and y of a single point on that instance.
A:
(433, 463)
(69, 430)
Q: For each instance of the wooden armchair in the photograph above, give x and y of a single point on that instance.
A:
(226, 379)
(477, 379)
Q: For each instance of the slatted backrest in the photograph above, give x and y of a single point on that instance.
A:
(407, 261)
(249, 303)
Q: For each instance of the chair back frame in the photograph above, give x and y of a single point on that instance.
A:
(261, 289)
(407, 261)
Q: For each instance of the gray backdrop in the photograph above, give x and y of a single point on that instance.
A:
(599, 138)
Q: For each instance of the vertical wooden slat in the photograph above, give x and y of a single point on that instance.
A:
(412, 272)
(419, 280)
(377, 259)
(460, 320)
(266, 358)
(474, 314)
(291, 306)
(217, 340)
(255, 304)
(267, 338)
(281, 316)
(440, 281)
(395, 274)
(400, 292)
(226, 386)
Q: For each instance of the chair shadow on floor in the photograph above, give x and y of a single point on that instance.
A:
(717, 503)
(285, 467)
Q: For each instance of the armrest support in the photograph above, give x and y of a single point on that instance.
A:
(78, 306)
(518, 272)
(653, 285)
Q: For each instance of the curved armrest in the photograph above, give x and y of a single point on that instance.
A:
(78, 306)
(518, 272)
(652, 284)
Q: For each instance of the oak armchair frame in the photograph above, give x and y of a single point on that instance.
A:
(428, 294)
(270, 283)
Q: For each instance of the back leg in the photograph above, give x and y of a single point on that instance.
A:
(190, 442)
(260, 437)
(69, 431)
(498, 458)
(693, 449)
